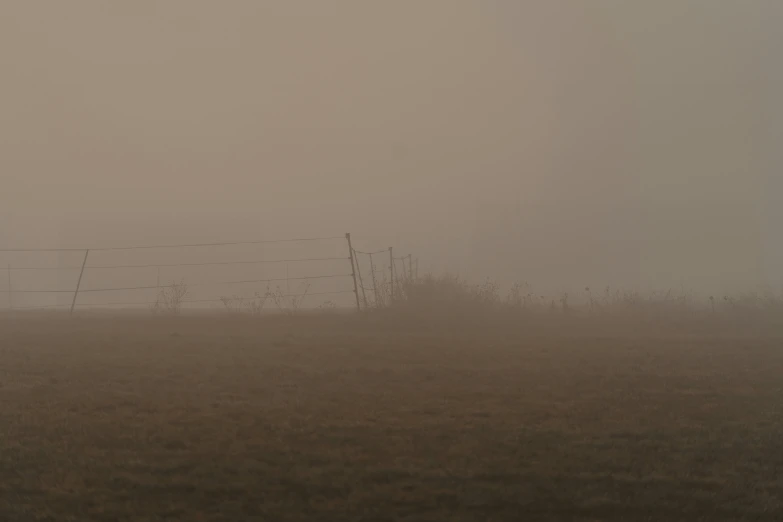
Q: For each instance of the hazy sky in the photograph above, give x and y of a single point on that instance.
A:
(566, 143)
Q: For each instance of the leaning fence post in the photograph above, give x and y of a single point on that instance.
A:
(361, 281)
(353, 271)
(391, 268)
(79, 282)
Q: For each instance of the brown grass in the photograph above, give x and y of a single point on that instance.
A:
(345, 418)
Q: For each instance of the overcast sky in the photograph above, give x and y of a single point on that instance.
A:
(565, 143)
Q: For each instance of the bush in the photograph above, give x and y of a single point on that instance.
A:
(454, 300)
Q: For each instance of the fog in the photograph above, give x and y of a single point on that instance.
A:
(570, 143)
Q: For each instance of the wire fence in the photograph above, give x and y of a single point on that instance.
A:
(383, 278)
(291, 274)
(205, 274)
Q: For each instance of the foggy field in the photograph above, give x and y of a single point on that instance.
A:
(453, 260)
(348, 418)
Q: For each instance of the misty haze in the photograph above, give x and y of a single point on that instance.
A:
(351, 260)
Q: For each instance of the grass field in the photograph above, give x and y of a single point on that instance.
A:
(342, 418)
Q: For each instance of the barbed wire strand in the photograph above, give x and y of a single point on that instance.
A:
(187, 245)
(214, 283)
(370, 253)
(173, 265)
(367, 289)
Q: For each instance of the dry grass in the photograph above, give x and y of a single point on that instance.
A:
(347, 418)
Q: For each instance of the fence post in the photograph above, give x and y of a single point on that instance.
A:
(361, 281)
(391, 272)
(353, 272)
(79, 282)
(417, 269)
(10, 290)
(410, 267)
(374, 283)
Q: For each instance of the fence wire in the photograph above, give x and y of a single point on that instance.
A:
(376, 276)
(173, 265)
(170, 274)
(374, 273)
(168, 246)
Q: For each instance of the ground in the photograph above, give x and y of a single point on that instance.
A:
(278, 419)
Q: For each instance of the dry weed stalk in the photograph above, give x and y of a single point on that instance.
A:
(170, 299)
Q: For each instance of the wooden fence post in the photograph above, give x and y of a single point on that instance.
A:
(353, 271)
(361, 281)
(79, 282)
(374, 283)
(391, 273)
